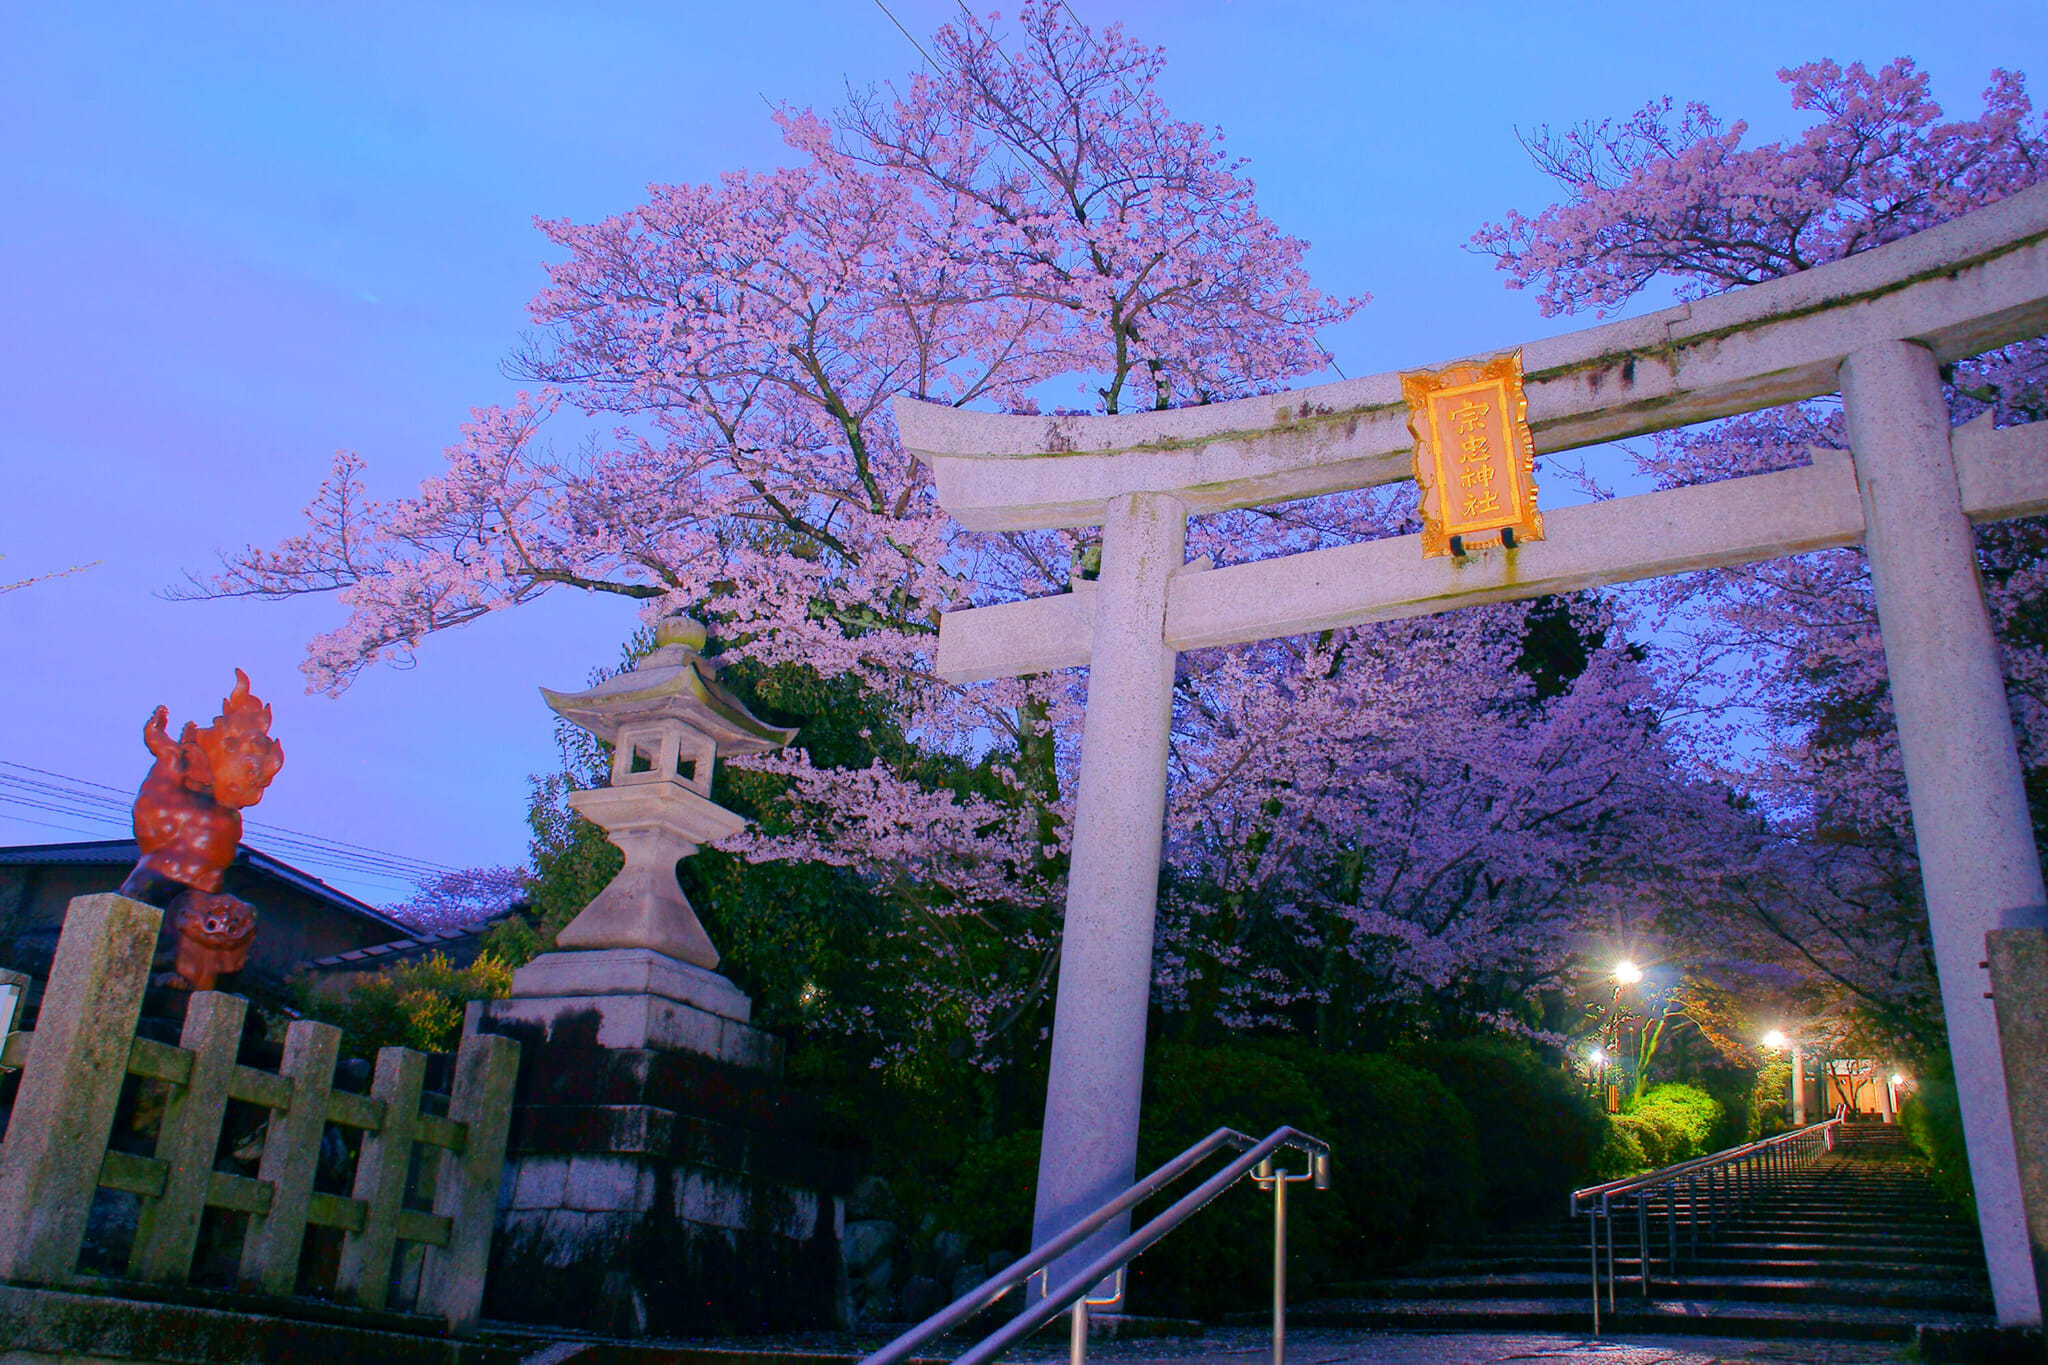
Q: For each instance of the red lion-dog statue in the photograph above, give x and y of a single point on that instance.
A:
(188, 823)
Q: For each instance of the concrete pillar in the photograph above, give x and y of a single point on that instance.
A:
(1970, 820)
(1105, 982)
(2019, 985)
(1798, 1087)
(1887, 1102)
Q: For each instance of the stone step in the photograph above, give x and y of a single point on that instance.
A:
(1719, 1261)
(176, 1325)
(1841, 1290)
(1691, 1317)
(1953, 1242)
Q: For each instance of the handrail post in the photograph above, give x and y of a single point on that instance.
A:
(1643, 1240)
(1593, 1256)
(1269, 1173)
(1607, 1217)
(1077, 1333)
(1279, 1267)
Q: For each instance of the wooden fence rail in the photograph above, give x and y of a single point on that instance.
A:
(55, 1153)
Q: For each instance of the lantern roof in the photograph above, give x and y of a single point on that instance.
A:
(675, 682)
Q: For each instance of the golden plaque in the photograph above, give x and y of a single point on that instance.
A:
(1475, 462)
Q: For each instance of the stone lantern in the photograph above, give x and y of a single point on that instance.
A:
(652, 1133)
(669, 721)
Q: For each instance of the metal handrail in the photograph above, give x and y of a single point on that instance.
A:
(1744, 1168)
(1072, 1293)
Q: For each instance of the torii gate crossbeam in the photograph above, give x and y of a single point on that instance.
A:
(1874, 327)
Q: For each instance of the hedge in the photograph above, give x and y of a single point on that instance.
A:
(1933, 1120)
(1540, 1135)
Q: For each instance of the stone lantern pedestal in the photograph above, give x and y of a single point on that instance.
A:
(661, 1177)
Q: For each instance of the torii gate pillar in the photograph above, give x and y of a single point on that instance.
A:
(1105, 983)
(1970, 820)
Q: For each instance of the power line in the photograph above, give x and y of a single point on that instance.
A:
(77, 798)
(906, 33)
(121, 797)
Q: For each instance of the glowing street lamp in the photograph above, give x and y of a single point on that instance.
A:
(1627, 972)
(1776, 1041)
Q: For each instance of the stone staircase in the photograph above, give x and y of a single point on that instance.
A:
(1856, 1246)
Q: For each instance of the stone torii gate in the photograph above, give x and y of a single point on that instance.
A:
(1875, 327)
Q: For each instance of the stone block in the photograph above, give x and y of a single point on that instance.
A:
(707, 1199)
(950, 1250)
(631, 971)
(538, 1182)
(576, 1237)
(875, 1281)
(922, 1297)
(866, 1242)
(608, 1184)
(633, 1022)
(871, 1198)
(749, 1047)
(966, 1280)
(786, 1211)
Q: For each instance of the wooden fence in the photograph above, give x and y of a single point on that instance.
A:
(55, 1154)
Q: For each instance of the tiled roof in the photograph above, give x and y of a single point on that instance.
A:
(124, 852)
(422, 940)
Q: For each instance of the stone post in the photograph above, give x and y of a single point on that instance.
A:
(2019, 986)
(50, 1163)
(1970, 820)
(1798, 1087)
(1105, 981)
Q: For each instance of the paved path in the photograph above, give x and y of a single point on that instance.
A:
(1248, 1346)
(1252, 1346)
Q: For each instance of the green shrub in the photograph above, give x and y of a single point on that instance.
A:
(1767, 1100)
(1686, 1119)
(1733, 1088)
(1405, 1163)
(414, 1004)
(1621, 1153)
(1540, 1135)
(1933, 1120)
(1652, 1141)
(990, 1195)
(1213, 1265)
(1404, 1156)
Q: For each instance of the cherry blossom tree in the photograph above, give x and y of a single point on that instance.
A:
(1021, 212)
(1373, 831)
(459, 899)
(42, 577)
(1676, 201)
(1385, 830)
(709, 430)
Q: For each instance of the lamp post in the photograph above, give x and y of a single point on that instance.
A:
(1776, 1040)
(1625, 974)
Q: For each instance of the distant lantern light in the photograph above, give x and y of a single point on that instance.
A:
(1627, 973)
(1774, 1040)
(1598, 1057)
(1897, 1079)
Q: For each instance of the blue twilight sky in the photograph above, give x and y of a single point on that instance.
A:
(239, 238)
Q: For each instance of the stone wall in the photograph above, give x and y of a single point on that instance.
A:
(666, 1193)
